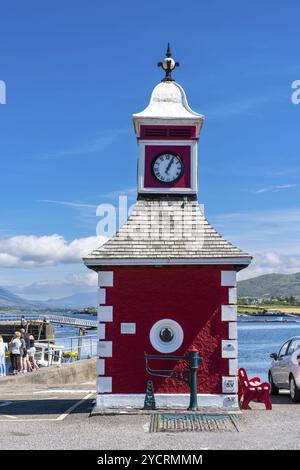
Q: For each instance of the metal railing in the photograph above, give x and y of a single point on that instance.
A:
(56, 319)
(84, 347)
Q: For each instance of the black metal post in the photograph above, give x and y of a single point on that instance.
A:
(194, 361)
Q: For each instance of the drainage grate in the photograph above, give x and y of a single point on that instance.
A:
(194, 423)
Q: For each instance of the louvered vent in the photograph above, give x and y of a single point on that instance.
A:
(156, 132)
(180, 132)
(172, 132)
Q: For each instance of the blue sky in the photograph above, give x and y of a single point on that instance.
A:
(76, 71)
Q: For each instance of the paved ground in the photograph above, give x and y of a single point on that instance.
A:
(58, 418)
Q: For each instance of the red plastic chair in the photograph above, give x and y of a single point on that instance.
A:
(253, 389)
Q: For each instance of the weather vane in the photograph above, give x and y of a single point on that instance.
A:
(168, 64)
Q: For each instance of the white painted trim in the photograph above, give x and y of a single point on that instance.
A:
(104, 348)
(243, 261)
(101, 331)
(100, 367)
(105, 278)
(228, 278)
(232, 295)
(232, 330)
(233, 366)
(165, 401)
(167, 121)
(165, 190)
(229, 348)
(105, 313)
(101, 296)
(104, 384)
(229, 313)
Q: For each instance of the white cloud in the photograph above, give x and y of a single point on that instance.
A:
(28, 251)
(272, 237)
(43, 290)
(274, 188)
(72, 204)
(271, 262)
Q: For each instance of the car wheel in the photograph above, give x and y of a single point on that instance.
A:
(274, 390)
(294, 391)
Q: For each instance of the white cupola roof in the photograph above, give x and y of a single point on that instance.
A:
(168, 102)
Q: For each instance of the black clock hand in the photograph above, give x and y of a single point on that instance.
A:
(169, 166)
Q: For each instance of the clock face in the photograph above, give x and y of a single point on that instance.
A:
(167, 167)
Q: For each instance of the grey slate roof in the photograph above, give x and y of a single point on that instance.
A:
(166, 228)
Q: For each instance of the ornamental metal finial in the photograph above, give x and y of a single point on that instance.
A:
(168, 64)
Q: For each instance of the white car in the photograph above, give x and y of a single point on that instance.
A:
(284, 372)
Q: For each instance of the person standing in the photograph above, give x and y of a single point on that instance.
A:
(23, 322)
(32, 351)
(26, 365)
(3, 349)
(14, 347)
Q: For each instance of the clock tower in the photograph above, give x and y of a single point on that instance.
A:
(167, 132)
(167, 279)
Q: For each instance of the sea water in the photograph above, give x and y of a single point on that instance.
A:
(257, 340)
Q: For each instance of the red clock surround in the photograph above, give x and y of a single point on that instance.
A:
(184, 152)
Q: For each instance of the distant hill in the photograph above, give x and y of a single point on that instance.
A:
(79, 300)
(8, 299)
(271, 285)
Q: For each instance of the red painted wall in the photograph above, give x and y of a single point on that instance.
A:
(190, 295)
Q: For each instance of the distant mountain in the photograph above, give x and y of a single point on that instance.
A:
(271, 285)
(79, 300)
(8, 299)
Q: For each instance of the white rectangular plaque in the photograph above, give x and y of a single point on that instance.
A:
(229, 384)
(128, 328)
